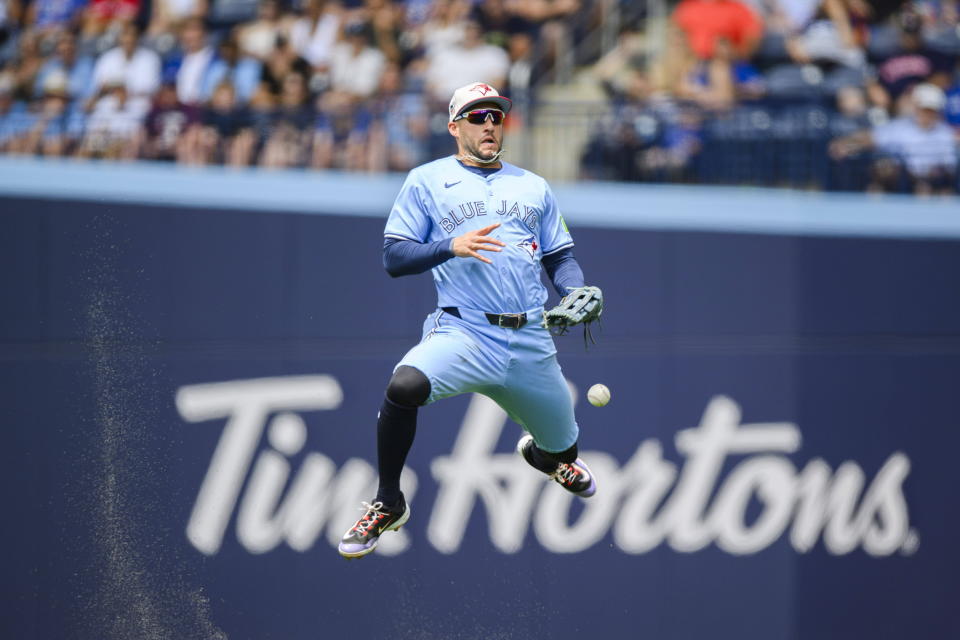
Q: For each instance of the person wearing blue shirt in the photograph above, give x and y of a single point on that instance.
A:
(77, 68)
(483, 227)
(916, 152)
(952, 109)
(243, 72)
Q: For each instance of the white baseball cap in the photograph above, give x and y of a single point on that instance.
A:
(929, 96)
(476, 93)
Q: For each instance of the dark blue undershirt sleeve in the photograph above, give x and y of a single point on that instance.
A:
(563, 270)
(406, 257)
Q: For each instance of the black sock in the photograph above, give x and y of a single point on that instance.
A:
(547, 462)
(396, 428)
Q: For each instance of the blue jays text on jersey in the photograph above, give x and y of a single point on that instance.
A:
(443, 199)
(466, 210)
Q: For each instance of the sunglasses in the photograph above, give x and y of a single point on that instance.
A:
(479, 116)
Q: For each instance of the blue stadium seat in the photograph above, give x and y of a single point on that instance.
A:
(842, 77)
(794, 82)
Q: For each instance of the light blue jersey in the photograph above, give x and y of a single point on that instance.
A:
(460, 350)
(443, 199)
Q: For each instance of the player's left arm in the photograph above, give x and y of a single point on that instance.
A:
(557, 246)
(580, 304)
(563, 270)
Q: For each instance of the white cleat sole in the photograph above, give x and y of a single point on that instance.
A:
(353, 555)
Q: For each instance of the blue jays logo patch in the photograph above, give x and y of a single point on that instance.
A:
(529, 245)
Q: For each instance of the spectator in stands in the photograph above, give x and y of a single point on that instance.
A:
(8, 113)
(55, 129)
(939, 15)
(243, 72)
(341, 138)
(166, 125)
(952, 110)
(355, 66)
(445, 28)
(849, 172)
(9, 20)
(50, 17)
(524, 69)
(877, 10)
(826, 37)
(716, 84)
(912, 63)
(680, 142)
(214, 139)
(556, 21)
(197, 56)
(704, 22)
(622, 71)
(137, 67)
(472, 58)
(543, 11)
(618, 143)
(786, 17)
(77, 68)
(107, 15)
(114, 126)
(851, 112)
(258, 38)
(250, 140)
(168, 16)
(314, 35)
(292, 126)
(26, 65)
(499, 23)
(400, 129)
(917, 152)
(280, 64)
(708, 83)
(416, 12)
(386, 26)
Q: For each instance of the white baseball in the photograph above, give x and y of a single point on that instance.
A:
(598, 395)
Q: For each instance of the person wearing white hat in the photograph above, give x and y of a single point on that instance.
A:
(919, 149)
(484, 227)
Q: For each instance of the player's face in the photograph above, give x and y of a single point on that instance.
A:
(480, 133)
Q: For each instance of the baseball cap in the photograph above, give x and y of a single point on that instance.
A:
(929, 96)
(475, 93)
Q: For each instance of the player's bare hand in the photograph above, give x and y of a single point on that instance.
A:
(467, 245)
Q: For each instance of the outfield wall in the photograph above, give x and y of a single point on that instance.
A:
(191, 392)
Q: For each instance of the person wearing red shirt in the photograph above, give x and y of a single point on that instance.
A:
(703, 22)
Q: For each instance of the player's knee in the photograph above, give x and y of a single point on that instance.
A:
(408, 387)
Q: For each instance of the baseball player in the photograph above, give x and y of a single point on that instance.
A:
(484, 227)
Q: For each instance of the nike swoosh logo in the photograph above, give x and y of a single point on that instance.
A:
(450, 184)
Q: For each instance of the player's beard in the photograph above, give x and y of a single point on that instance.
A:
(473, 152)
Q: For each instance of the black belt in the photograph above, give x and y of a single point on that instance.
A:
(505, 320)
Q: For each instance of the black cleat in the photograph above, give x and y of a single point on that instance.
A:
(362, 538)
(575, 476)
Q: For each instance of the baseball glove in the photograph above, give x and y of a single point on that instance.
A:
(582, 305)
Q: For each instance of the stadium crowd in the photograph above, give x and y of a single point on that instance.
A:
(837, 94)
(313, 83)
(829, 94)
